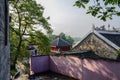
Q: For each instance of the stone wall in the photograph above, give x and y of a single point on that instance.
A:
(4, 42)
(94, 43)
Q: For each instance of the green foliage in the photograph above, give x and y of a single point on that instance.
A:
(62, 35)
(66, 38)
(52, 37)
(102, 9)
(70, 39)
(26, 14)
(13, 71)
(81, 3)
(42, 42)
(118, 52)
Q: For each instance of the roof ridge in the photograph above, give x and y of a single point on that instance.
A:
(65, 41)
(58, 41)
(99, 35)
(82, 39)
(106, 40)
(108, 32)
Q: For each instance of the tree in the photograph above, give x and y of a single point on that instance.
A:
(66, 38)
(52, 37)
(70, 39)
(102, 9)
(62, 35)
(26, 14)
(42, 42)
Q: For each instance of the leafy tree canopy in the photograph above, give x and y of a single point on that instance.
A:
(26, 15)
(102, 9)
(41, 41)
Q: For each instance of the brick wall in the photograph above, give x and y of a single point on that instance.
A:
(4, 42)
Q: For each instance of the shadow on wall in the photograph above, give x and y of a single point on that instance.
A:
(66, 66)
(82, 69)
(100, 70)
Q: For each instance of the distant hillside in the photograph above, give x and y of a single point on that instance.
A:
(76, 39)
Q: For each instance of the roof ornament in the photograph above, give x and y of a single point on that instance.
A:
(102, 28)
(93, 27)
(108, 27)
(115, 29)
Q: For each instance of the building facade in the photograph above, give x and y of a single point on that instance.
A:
(103, 43)
(4, 41)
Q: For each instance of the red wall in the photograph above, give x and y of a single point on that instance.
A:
(62, 49)
(85, 69)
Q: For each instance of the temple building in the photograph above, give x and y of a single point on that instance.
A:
(103, 42)
(60, 45)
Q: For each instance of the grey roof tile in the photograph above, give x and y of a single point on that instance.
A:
(59, 42)
(112, 36)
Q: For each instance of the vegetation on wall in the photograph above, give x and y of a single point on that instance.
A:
(118, 52)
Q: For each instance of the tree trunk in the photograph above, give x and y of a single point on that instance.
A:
(17, 53)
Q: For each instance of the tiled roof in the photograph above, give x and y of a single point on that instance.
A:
(110, 37)
(115, 38)
(101, 35)
(59, 42)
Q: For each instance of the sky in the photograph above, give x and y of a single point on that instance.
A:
(66, 18)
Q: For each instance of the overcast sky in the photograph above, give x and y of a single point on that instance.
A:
(64, 17)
